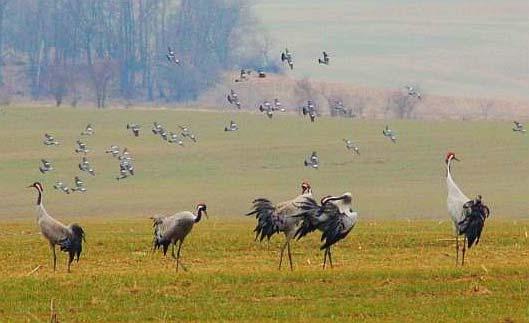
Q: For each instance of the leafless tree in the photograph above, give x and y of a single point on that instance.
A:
(401, 105)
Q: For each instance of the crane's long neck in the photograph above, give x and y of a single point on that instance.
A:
(39, 198)
(451, 185)
(199, 215)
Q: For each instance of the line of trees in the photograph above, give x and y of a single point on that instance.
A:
(116, 48)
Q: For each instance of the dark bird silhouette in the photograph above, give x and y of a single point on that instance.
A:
(326, 59)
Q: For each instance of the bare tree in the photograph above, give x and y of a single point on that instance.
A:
(102, 73)
(401, 105)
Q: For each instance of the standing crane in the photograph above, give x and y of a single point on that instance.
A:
(272, 219)
(168, 230)
(468, 216)
(335, 218)
(68, 238)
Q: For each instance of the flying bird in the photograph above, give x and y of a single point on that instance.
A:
(286, 56)
(45, 167)
(413, 92)
(171, 56)
(186, 133)
(312, 161)
(468, 216)
(79, 185)
(135, 128)
(84, 166)
(282, 217)
(69, 238)
(349, 145)
(173, 138)
(267, 108)
(388, 133)
(335, 218)
(49, 140)
(233, 99)
(60, 186)
(88, 131)
(518, 127)
(310, 110)
(326, 59)
(114, 150)
(243, 76)
(278, 106)
(232, 127)
(81, 147)
(170, 230)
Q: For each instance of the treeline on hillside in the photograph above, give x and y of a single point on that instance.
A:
(70, 49)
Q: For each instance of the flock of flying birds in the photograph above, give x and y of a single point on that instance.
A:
(126, 166)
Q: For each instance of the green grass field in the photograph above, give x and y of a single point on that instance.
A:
(396, 265)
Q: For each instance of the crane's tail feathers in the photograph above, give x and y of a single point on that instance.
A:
(74, 243)
(158, 243)
(264, 212)
(472, 225)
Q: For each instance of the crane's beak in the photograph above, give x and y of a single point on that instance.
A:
(206, 213)
(30, 186)
(457, 159)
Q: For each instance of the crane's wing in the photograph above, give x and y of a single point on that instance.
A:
(337, 227)
(267, 222)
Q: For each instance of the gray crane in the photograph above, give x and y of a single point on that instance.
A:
(282, 217)
(169, 230)
(45, 167)
(69, 238)
(335, 218)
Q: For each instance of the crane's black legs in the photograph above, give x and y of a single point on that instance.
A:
(457, 249)
(281, 256)
(464, 250)
(327, 254)
(289, 256)
(70, 259)
(178, 255)
(172, 252)
(52, 247)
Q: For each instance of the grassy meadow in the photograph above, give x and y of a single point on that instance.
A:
(396, 265)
